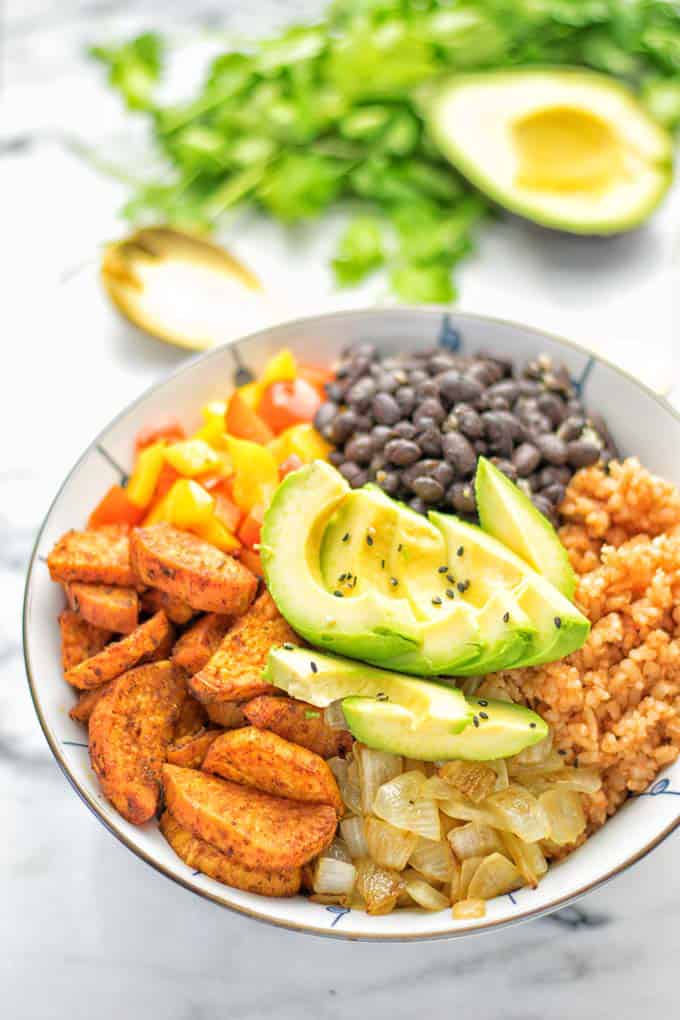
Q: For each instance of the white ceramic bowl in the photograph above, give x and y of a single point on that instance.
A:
(642, 424)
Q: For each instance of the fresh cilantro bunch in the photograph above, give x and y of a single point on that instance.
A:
(328, 112)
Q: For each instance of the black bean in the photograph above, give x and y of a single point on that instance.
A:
(359, 448)
(529, 388)
(549, 475)
(361, 393)
(583, 452)
(389, 481)
(404, 430)
(507, 388)
(336, 457)
(385, 408)
(406, 399)
(554, 493)
(416, 377)
(349, 470)
(431, 409)
(430, 441)
(386, 382)
(381, 434)
(526, 458)
(598, 423)
(481, 448)
(402, 452)
(574, 406)
(365, 422)
(571, 428)
(417, 504)
(461, 496)
(552, 448)
(439, 363)
(361, 479)
(545, 507)
(552, 406)
(377, 463)
(429, 489)
(486, 373)
(501, 362)
(506, 467)
(429, 388)
(324, 416)
(444, 473)
(500, 424)
(536, 424)
(558, 379)
(425, 423)
(421, 467)
(454, 387)
(468, 421)
(342, 427)
(459, 452)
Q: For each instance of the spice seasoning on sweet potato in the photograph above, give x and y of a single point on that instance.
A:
(190, 569)
(84, 706)
(122, 655)
(200, 642)
(253, 827)
(130, 730)
(227, 714)
(268, 762)
(79, 639)
(234, 673)
(97, 556)
(192, 718)
(175, 609)
(201, 856)
(190, 751)
(104, 605)
(300, 723)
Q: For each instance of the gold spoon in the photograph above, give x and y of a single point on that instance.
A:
(183, 289)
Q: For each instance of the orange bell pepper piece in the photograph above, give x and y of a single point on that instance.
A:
(115, 508)
(244, 423)
(249, 532)
(250, 559)
(226, 510)
(317, 376)
(168, 428)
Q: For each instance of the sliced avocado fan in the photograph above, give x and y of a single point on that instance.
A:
(565, 147)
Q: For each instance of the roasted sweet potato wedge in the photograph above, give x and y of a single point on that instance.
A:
(266, 761)
(105, 605)
(130, 730)
(97, 556)
(192, 719)
(298, 722)
(121, 655)
(200, 642)
(250, 826)
(84, 706)
(153, 600)
(203, 857)
(191, 751)
(227, 714)
(79, 639)
(190, 569)
(234, 673)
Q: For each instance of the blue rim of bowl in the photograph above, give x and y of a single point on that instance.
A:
(525, 915)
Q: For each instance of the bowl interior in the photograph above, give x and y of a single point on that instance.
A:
(641, 423)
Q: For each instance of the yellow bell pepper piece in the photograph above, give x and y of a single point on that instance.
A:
(302, 440)
(212, 431)
(256, 473)
(189, 507)
(191, 457)
(251, 394)
(281, 367)
(142, 484)
(217, 534)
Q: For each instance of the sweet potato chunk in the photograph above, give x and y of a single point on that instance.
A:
(121, 655)
(175, 609)
(190, 569)
(234, 673)
(298, 722)
(97, 556)
(192, 719)
(253, 827)
(104, 605)
(200, 642)
(268, 762)
(79, 639)
(84, 706)
(191, 751)
(201, 856)
(130, 730)
(227, 714)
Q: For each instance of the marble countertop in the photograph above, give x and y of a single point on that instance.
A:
(85, 927)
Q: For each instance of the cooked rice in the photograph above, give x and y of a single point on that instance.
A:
(615, 704)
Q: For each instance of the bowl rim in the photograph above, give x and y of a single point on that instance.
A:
(310, 929)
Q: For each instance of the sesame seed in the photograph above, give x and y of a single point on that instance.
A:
(443, 569)
(451, 578)
(314, 667)
(381, 696)
(483, 703)
(506, 617)
(345, 537)
(289, 647)
(532, 725)
(394, 582)
(558, 622)
(382, 564)
(561, 751)
(450, 593)
(400, 547)
(369, 540)
(460, 550)
(338, 594)
(342, 577)
(436, 601)
(483, 715)
(475, 720)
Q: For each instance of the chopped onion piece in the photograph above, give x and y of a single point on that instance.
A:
(535, 754)
(474, 840)
(335, 900)
(388, 846)
(433, 860)
(527, 857)
(399, 803)
(469, 685)
(564, 812)
(495, 876)
(338, 850)
(352, 831)
(375, 768)
(553, 762)
(516, 810)
(339, 767)
(467, 871)
(424, 894)
(581, 780)
(435, 789)
(333, 877)
(460, 807)
(412, 765)
(334, 716)
(494, 689)
(348, 784)
(465, 910)
(500, 767)
(474, 779)
(379, 887)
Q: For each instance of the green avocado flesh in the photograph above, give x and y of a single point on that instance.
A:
(404, 715)
(357, 573)
(509, 515)
(568, 148)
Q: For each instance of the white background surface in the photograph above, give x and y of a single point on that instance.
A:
(85, 928)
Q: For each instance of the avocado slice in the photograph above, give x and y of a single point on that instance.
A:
(503, 729)
(321, 679)
(509, 515)
(565, 147)
(363, 624)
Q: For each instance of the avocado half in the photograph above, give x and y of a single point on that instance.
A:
(567, 148)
